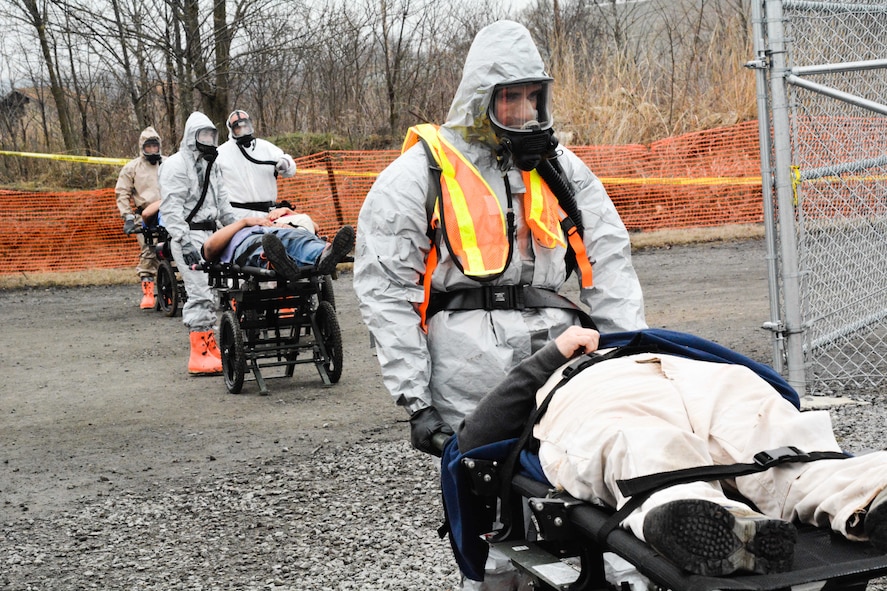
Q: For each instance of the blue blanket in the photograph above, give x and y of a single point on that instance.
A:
(468, 519)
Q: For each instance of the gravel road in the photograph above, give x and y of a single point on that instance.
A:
(119, 471)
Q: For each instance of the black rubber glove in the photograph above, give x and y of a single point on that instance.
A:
(129, 224)
(423, 425)
(190, 255)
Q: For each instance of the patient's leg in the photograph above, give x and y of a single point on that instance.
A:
(620, 419)
(629, 417)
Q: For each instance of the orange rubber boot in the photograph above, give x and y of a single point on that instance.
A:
(147, 295)
(212, 346)
(202, 362)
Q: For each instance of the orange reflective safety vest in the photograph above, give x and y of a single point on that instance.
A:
(473, 221)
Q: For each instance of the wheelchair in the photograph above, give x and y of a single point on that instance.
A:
(169, 289)
(283, 326)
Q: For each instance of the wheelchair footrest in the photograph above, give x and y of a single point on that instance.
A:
(549, 570)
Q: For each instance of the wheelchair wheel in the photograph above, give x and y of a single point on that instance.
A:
(330, 335)
(167, 289)
(233, 356)
(326, 291)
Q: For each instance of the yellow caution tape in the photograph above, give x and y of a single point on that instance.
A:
(711, 180)
(69, 158)
(606, 180)
(325, 172)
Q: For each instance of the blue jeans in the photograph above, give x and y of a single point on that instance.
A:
(302, 246)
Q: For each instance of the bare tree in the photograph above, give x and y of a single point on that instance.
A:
(37, 14)
(363, 70)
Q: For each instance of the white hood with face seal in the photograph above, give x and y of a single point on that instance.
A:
(196, 120)
(501, 52)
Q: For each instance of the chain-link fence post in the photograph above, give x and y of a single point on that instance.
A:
(827, 206)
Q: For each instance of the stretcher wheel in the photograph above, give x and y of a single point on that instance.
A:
(329, 333)
(167, 289)
(326, 291)
(233, 356)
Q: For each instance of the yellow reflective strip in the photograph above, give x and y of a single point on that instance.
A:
(473, 253)
(474, 259)
(537, 206)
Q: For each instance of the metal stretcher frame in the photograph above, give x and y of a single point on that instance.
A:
(286, 325)
(823, 560)
(169, 289)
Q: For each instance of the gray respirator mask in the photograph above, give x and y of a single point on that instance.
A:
(520, 118)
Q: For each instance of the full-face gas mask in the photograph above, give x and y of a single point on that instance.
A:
(207, 140)
(520, 117)
(240, 127)
(151, 150)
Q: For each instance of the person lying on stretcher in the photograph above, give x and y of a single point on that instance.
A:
(649, 413)
(283, 241)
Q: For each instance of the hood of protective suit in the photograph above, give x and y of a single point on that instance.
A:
(500, 53)
(149, 133)
(196, 120)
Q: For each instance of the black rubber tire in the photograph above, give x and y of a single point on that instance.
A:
(167, 289)
(330, 335)
(233, 356)
(326, 291)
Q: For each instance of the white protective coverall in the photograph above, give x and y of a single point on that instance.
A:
(248, 182)
(137, 187)
(601, 426)
(466, 353)
(181, 183)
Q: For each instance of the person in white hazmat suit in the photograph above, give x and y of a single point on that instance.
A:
(250, 167)
(193, 201)
(438, 363)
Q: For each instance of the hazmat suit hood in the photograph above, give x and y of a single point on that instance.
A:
(196, 120)
(500, 53)
(191, 167)
(149, 133)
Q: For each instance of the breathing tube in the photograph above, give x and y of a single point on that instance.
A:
(550, 171)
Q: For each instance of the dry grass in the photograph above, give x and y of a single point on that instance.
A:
(631, 99)
(71, 279)
(639, 240)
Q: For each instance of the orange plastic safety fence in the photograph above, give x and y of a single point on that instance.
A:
(701, 179)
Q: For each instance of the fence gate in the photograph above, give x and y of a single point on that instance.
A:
(821, 87)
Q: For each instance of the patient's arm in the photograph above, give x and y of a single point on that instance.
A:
(218, 240)
(503, 411)
(151, 209)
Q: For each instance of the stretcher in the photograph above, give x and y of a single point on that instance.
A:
(169, 288)
(565, 547)
(269, 322)
(569, 538)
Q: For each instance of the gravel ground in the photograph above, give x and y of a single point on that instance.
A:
(119, 471)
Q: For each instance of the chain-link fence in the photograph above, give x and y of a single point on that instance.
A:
(822, 85)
